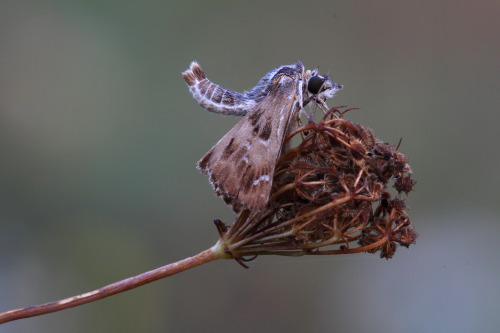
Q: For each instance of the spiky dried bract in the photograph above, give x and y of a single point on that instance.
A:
(330, 196)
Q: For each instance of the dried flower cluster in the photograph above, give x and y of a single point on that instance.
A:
(329, 196)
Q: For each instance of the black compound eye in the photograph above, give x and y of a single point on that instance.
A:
(315, 83)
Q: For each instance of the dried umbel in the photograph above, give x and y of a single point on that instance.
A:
(330, 196)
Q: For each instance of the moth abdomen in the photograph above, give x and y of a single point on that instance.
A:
(213, 97)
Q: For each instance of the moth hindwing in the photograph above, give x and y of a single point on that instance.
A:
(241, 165)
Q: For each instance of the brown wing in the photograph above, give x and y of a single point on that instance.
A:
(241, 165)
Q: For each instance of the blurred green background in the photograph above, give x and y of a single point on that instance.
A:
(99, 138)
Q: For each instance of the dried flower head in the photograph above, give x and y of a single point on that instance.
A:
(329, 196)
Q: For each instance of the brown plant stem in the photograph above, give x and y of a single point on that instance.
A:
(214, 253)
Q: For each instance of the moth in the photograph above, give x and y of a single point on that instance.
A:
(241, 165)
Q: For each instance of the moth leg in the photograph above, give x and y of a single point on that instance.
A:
(322, 105)
(302, 111)
(317, 102)
(303, 103)
(313, 112)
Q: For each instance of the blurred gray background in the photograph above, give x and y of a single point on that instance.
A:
(99, 138)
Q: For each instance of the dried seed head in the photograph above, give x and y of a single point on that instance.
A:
(404, 184)
(358, 151)
(330, 196)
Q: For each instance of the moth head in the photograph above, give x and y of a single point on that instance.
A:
(321, 86)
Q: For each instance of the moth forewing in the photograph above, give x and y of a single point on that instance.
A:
(241, 165)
